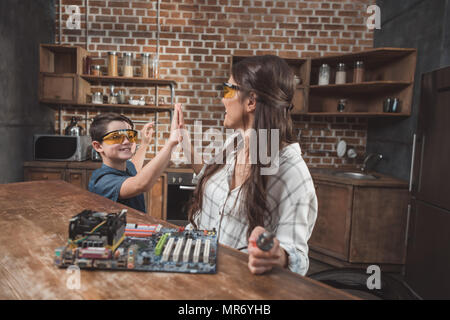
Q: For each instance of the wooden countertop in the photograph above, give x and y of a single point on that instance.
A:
(88, 164)
(325, 174)
(34, 219)
(322, 174)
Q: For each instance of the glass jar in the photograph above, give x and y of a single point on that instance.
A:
(145, 65)
(341, 74)
(358, 72)
(95, 70)
(155, 67)
(324, 75)
(97, 98)
(128, 66)
(341, 105)
(122, 98)
(112, 64)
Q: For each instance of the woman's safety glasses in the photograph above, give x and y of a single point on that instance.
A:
(229, 90)
(118, 136)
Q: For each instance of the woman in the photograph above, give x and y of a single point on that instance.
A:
(236, 197)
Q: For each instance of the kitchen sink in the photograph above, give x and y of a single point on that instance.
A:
(355, 175)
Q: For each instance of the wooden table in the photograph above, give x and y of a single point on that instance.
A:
(34, 219)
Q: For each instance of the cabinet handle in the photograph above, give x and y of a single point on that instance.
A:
(187, 188)
(411, 174)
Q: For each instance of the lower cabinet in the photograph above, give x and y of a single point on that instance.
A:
(155, 199)
(360, 225)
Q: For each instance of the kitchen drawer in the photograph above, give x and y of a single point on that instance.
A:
(33, 174)
(76, 177)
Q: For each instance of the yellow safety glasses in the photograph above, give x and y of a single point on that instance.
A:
(118, 136)
(229, 90)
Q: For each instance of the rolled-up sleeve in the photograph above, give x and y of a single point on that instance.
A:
(295, 226)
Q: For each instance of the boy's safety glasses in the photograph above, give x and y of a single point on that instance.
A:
(118, 136)
(229, 90)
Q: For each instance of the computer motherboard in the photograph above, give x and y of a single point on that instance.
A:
(99, 240)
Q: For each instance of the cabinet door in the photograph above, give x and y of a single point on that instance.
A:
(428, 259)
(34, 174)
(431, 175)
(63, 88)
(76, 177)
(332, 229)
(156, 198)
(379, 222)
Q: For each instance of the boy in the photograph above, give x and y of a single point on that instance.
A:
(120, 179)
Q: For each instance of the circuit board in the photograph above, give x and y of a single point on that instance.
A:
(144, 248)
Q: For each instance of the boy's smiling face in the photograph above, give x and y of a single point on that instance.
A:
(115, 153)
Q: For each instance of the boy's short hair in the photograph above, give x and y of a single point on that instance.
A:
(101, 121)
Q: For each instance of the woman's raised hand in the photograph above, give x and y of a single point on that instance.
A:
(175, 127)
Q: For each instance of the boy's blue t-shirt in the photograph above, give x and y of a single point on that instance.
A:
(107, 181)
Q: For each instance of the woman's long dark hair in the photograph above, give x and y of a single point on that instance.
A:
(271, 81)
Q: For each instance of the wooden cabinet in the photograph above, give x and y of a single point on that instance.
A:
(332, 229)
(389, 73)
(63, 88)
(79, 174)
(156, 198)
(360, 225)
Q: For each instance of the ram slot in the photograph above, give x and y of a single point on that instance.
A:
(176, 253)
(187, 250)
(198, 244)
(206, 251)
(168, 249)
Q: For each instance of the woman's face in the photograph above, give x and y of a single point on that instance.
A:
(235, 113)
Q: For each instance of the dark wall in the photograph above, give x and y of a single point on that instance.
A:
(24, 24)
(420, 24)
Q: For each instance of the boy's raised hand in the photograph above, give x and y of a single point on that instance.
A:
(147, 133)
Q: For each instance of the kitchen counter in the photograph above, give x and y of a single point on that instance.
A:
(325, 174)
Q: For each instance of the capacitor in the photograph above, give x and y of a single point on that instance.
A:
(265, 241)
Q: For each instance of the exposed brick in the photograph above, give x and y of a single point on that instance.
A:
(198, 38)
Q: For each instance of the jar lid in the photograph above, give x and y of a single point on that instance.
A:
(324, 65)
(97, 94)
(341, 65)
(146, 54)
(113, 53)
(96, 67)
(127, 54)
(359, 63)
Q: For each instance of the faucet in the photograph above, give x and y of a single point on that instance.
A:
(365, 167)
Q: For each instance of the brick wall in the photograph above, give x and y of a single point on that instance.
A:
(197, 40)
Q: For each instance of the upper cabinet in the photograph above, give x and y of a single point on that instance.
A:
(63, 83)
(388, 74)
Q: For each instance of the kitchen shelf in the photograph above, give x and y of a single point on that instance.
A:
(133, 80)
(389, 73)
(95, 106)
(369, 87)
(356, 114)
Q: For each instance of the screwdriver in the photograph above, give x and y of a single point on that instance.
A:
(265, 241)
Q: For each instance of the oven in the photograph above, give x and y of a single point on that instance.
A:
(179, 192)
